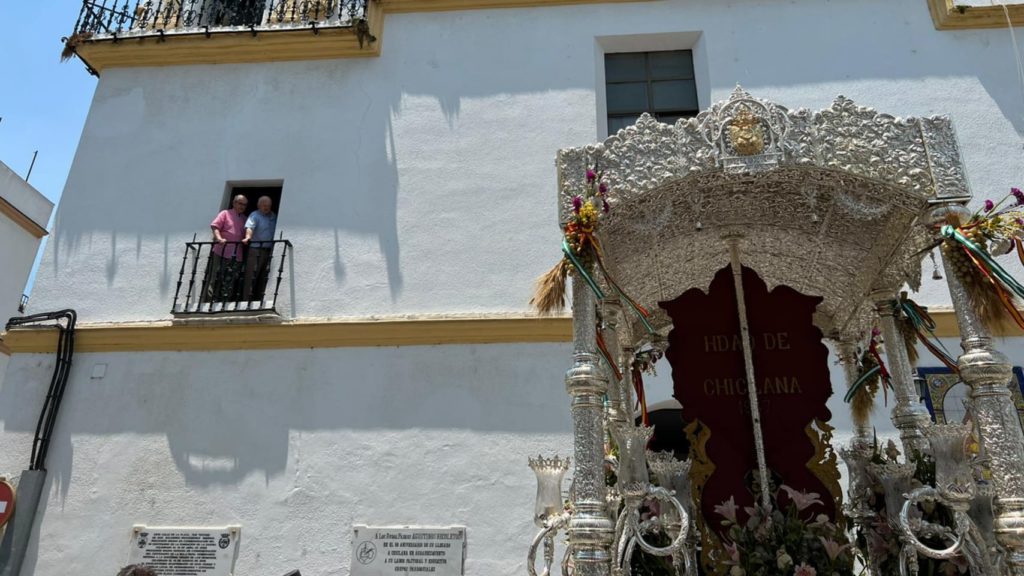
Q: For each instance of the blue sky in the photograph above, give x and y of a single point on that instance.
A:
(43, 102)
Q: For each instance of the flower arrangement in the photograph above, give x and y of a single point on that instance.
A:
(786, 540)
(969, 247)
(579, 245)
(581, 251)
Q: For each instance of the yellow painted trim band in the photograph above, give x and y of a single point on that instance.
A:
(946, 326)
(400, 6)
(225, 47)
(19, 218)
(302, 44)
(216, 336)
(278, 45)
(947, 15)
(209, 336)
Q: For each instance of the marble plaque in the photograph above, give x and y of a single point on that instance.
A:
(406, 551)
(186, 551)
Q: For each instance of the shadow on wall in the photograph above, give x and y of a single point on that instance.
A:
(328, 128)
(340, 171)
(226, 416)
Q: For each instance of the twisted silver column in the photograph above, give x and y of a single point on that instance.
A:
(590, 528)
(858, 454)
(620, 401)
(988, 373)
(846, 350)
(908, 414)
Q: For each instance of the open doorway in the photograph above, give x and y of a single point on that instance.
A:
(253, 194)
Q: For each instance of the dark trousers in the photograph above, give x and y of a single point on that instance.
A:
(222, 275)
(257, 270)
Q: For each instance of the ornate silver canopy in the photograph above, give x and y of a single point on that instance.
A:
(825, 201)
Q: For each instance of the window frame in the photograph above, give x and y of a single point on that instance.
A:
(692, 40)
(649, 81)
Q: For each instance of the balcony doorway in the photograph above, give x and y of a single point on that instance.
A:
(234, 12)
(253, 194)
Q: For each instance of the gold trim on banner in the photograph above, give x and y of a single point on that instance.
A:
(701, 469)
(824, 464)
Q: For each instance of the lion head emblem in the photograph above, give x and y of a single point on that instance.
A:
(746, 134)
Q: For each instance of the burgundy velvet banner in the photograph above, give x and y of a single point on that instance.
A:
(792, 382)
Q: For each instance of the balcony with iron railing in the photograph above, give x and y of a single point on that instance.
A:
(230, 278)
(113, 33)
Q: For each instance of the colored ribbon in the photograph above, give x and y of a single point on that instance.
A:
(567, 250)
(852, 391)
(641, 397)
(873, 350)
(639, 310)
(1005, 285)
(587, 239)
(637, 377)
(922, 323)
(603, 348)
(981, 256)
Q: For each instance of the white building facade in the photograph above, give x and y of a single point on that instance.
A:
(401, 378)
(24, 214)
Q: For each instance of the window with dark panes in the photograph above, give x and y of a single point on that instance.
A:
(660, 83)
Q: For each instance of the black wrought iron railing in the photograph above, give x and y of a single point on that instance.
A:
(100, 18)
(230, 277)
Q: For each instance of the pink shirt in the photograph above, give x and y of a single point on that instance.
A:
(232, 228)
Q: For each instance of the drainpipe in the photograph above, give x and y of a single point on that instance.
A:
(14, 545)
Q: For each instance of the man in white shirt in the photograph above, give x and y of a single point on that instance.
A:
(259, 235)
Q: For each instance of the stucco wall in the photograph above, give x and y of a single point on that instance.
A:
(17, 252)
(298, 445)
(417, 182)
(422, 181)
(18, 246)
(24, 196)
(294, 445)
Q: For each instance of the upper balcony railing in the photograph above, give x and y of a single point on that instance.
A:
(230, 277)
(101, 19)
(126, 33)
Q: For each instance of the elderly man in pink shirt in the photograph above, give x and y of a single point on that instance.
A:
(229, 233)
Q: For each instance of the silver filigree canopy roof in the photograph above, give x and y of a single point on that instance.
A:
(826, 202)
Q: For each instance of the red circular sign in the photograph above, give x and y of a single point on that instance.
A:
(6, 502)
